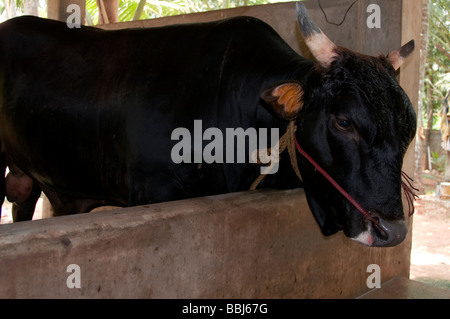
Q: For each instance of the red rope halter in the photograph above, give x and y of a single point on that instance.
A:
(336, 185)
(406, 184)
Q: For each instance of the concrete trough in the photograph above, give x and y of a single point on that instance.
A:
(259, 244)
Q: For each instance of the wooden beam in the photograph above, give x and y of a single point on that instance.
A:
(109, 11)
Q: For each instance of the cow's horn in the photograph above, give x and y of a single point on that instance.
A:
(322, 48)
(397, 57)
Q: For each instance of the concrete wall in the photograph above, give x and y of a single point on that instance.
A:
(261, 244)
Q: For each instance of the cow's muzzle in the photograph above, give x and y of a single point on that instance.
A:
(385, 234)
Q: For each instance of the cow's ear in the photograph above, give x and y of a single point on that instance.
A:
(285, 100)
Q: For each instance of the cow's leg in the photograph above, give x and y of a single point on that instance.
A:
(25, 210)
(23, 192)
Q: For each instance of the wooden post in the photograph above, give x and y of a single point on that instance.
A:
(109, 11)
(411, 25)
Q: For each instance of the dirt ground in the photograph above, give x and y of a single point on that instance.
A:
(430, 255)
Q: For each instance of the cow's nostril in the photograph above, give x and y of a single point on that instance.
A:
(380, 231)
(387, 233)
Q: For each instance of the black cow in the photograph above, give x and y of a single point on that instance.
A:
(87, 116)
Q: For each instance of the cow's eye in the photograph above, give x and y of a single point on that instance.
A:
(343, 123)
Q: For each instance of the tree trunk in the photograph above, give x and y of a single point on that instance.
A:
(445, 128)
(10, 8)
(140, 8)
(447, 168)
(31, 7)
(427, 128)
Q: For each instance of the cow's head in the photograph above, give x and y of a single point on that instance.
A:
(355, 120)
